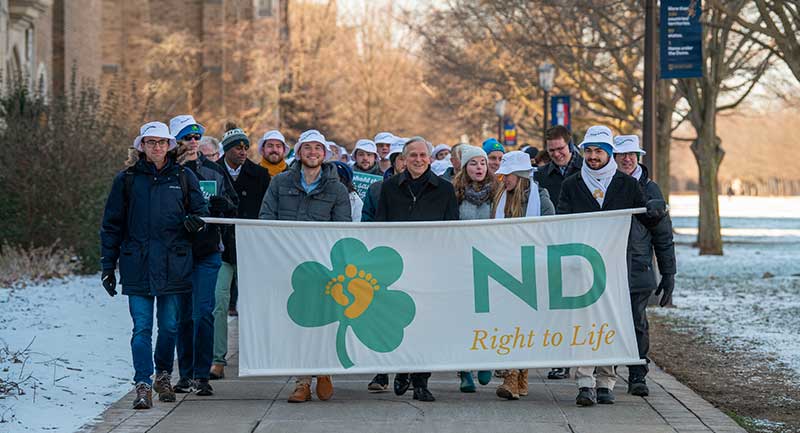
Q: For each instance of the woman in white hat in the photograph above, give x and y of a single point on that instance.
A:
(519, 197)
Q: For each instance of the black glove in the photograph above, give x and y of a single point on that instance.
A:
(109, 282)
(193, 223)
(667, 286)
(656, 209)
(218, 205)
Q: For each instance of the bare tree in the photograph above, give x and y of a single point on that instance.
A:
(733, 63)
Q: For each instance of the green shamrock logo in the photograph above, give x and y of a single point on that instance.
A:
(355, 292)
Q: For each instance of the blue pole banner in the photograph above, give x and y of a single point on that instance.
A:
(681, 39)
(559, 111)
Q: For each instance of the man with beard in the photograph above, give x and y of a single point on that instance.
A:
(273, 149)
(383, 142)
(599, 186)
(642, 244)
(366, 155)
(309, 191)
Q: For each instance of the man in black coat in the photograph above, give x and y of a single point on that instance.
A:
(416, 194)
(599, 186)
(564, 161)
(641, 245)
(250, 182)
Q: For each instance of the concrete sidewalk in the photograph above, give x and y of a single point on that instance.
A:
(259, 405)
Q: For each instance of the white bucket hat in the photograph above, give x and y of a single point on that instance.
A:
(396, 146)
(367, 146)
(599, 136)
(627, 144)
(513, 162)
(312, 136)
(439, 148)
(154, 129)
(384, 137)
(179, 123)
(272, 135)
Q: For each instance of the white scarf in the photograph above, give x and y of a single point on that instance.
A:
(534, 205)
(637, 172)
(598, 180)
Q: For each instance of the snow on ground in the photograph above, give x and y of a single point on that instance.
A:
(750, 297)
(79, 361)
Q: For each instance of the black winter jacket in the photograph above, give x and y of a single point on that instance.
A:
(435, 202)
(208, 241)
(250, 186)
(550, 178)
(148, 239)
(643, 242)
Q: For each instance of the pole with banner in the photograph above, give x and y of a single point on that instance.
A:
(559, 110)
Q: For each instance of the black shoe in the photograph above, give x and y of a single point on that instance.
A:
(401, 383)
(184, 386)
(605, 396)
(422, 394)
(638, 387)
(380, 383)
(558, 373)
(204, 388)
(585, 397)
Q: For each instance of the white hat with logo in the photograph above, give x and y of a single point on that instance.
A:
(157, 130)
(627, 144)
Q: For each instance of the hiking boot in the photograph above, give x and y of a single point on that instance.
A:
(204, 388)
(324, 388)
(523, 382)
(380, 383)
(558, 373)
(184, 386)
(605, 396)
(217, 372)
(401, 383)
(484, 377)
(144, 396)
(467, 384)
(638, 387)
(509, 390)
(500, 373)
(163, 387)
(586, 397)
(301, 394)
(422, 393)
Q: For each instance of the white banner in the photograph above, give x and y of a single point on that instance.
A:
(340, 298)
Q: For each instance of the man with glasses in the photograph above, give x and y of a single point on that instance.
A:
(153, 208)
(210, 148)
(196, 324)
(564, 161)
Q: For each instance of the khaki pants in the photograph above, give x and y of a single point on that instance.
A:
(606, 377)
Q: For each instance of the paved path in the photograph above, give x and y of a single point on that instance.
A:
(259, 405)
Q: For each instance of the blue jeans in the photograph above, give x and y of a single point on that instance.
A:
(196, 320)
(141, 309)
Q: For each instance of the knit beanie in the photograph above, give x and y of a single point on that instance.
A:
(468, 152)
(492, 145)
(233, 137)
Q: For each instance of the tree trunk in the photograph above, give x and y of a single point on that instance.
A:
(708, 152)
(284, 49)
(664, 109)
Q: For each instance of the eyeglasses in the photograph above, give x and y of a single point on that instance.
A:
(154, 143)
(190, 137)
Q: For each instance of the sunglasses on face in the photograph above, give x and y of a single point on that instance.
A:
(190, 137)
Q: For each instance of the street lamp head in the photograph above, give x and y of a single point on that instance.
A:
(500, 108)
(547, 73)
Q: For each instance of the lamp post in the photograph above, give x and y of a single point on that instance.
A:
(547, 73)
(500, 111)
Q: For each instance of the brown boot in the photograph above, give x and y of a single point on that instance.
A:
(523, 382)
(301, 394)
(144, 396)
(217, 372)
(510, 387)
(324, 388)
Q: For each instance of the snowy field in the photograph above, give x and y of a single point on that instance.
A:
(79, 358)
(79, 361)
(750, 297)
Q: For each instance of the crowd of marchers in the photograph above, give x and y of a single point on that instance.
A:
(179, 271)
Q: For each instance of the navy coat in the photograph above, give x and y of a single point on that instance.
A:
(148, 239)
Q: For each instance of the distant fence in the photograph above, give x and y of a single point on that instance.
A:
(738, 186)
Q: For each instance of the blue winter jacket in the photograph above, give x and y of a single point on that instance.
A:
(148, 239)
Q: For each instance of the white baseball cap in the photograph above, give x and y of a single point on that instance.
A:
(367, 146)
(627, 144)
(154, 129)
(515, 161)
(272, 135)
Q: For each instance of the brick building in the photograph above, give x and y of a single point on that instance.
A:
(43, 40)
